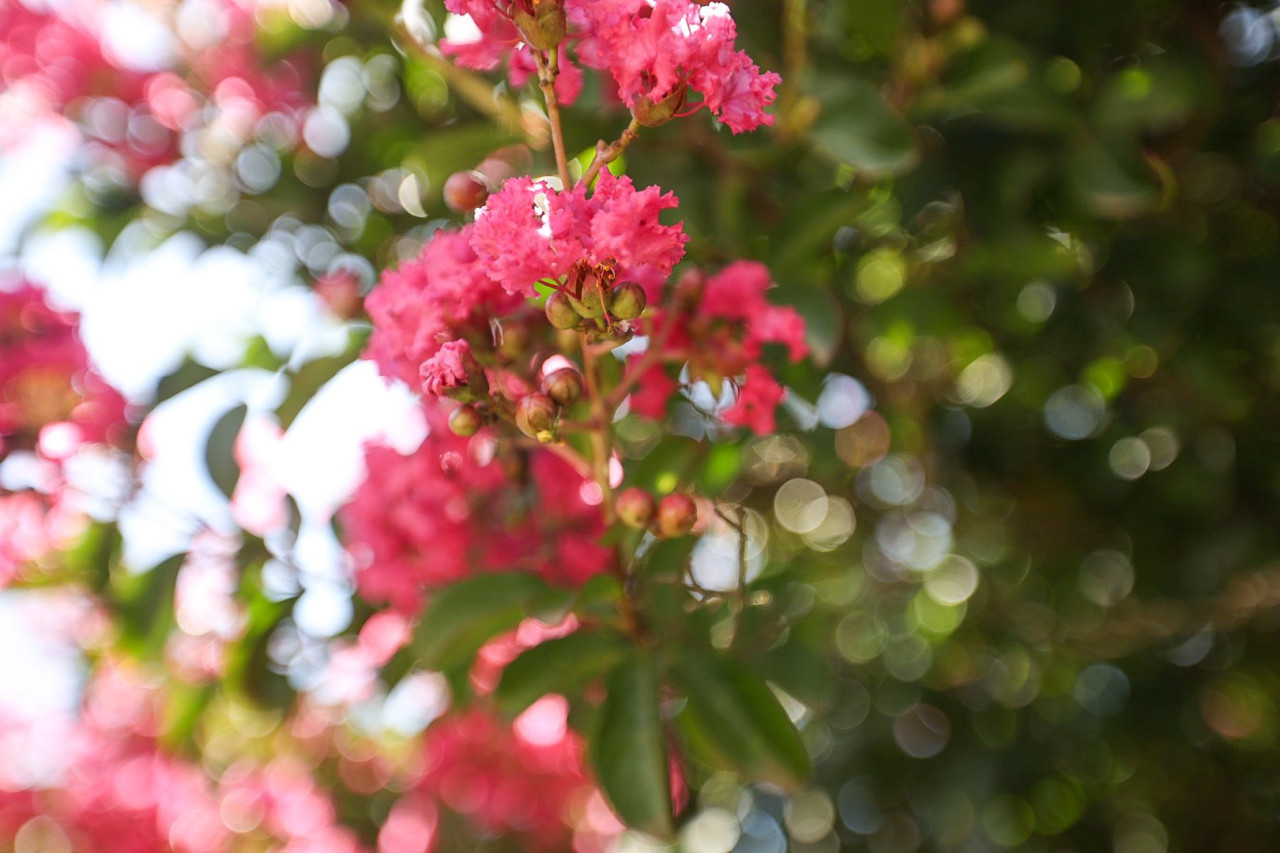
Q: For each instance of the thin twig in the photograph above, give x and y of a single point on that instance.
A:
(651, 356)
(548, 63)
(606, 154)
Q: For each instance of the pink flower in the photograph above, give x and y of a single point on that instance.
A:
(438, 515)
(447, 369)
(528, 231)
(46, 376)
(737, 293)
(758, 395)
(651, 49)
(654, 48)
(439, 296)
(653, 390)
(521, 780)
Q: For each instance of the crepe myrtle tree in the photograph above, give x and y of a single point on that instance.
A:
(557, 308)
(878, 454)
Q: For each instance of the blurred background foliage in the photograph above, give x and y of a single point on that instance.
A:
(1013, 551)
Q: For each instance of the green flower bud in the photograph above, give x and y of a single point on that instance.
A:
(535, 415)
(627, 301)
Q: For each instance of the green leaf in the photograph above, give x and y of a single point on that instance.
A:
(143, 602)
(629, 749)
(462, 617)
(736, 717)
(219, 457)
(561, 665)
(858, 127)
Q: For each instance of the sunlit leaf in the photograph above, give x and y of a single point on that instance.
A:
(737, 716)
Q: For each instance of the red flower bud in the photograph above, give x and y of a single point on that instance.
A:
(676, 516)
(564, 386)
(465, 191)
(535, 415)
(627, 301)
(634, 507)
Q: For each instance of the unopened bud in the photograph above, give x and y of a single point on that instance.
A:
(634, 507)
(541, 21)
(465, 421)
(591, 305)
(560, 311)
(627, 301)
(535, 414)
(564, 386)
(652, 114)
(676, 516)
(465, 191)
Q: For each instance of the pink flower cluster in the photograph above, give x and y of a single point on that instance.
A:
(444, 294)
(653, 50)
(447, 512)
(719, 330)
(46, 377)
(528, 231)
(524, 781)
(103, 783)
(52, 403)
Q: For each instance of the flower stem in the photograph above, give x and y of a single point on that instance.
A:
(548, 63)
(606, 154)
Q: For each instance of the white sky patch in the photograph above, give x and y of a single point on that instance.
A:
(46, 663)
(462, 29)
(32, 178)
(135, 39)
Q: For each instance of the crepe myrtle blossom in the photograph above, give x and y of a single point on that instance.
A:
(451, 510)
(104, 782)
(46, 376)
(444, 294)
(529, 231)
(656, 52)
(719, 326)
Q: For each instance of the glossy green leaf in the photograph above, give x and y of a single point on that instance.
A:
(858, 127)
(562, 665)
(737, 717)
(463, 616)
(629, 749)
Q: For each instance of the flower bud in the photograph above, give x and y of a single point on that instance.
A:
(627, 301)
(652, 114)
(465, 191)
(676, 516)
(564, 386)
(535, 415)
(590, 305)
(541, 21)
(634, 507)
(560, 311)
(465, 421)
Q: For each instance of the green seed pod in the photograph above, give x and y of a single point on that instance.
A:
(465, 421)
(627, 301)
(560, 311)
